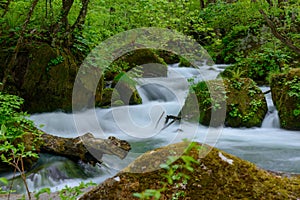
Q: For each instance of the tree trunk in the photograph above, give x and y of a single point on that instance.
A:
(8, 70)
(80, 19)
(202, 5)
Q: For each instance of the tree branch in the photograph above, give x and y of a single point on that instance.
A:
(283, 39)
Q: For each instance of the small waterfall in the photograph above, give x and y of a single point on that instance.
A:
(271, 119)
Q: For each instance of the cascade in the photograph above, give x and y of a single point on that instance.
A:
(268, 146)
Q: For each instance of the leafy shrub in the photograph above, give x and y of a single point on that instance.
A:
(14, 125)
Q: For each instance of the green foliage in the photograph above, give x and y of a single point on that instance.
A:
(294, 91)
(125, 78)
(176, 175)
(260, 64)
(237, 84)
(13, 122)
(184, 62)
(5, 182)
(236, 113)
(296, 112)
(147, 194)
(236, 74)
(56, 61)
(294, 87)
(235, 26)
(42, 191)
(14, 125)
(72, 193)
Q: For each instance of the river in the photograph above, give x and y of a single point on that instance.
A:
(269, 146)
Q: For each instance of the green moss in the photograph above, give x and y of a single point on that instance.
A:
(212, 178)
(184, 62)
(168, 57)
(44, 76)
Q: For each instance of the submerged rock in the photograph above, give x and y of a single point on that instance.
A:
(216, 175)
(286, 97)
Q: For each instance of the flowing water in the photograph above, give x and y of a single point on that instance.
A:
(269, 146)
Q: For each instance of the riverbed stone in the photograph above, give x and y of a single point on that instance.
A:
(212, 174)
(285, 90)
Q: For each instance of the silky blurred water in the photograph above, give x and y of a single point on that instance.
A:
(269, 146)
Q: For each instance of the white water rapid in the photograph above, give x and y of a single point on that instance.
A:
(269, 147)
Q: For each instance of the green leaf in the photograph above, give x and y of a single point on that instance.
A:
(4, 180)
(3, 129)
(42, 191)
(164, 166)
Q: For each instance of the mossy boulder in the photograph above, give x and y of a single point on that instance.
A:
(128, 94)
(124, 89)
(245, 103)
(44, 76)
(168, 57)
(171, 58)
(184, 63)
(286, 97)
(147, 61)
(110, 97)
(216, 175)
